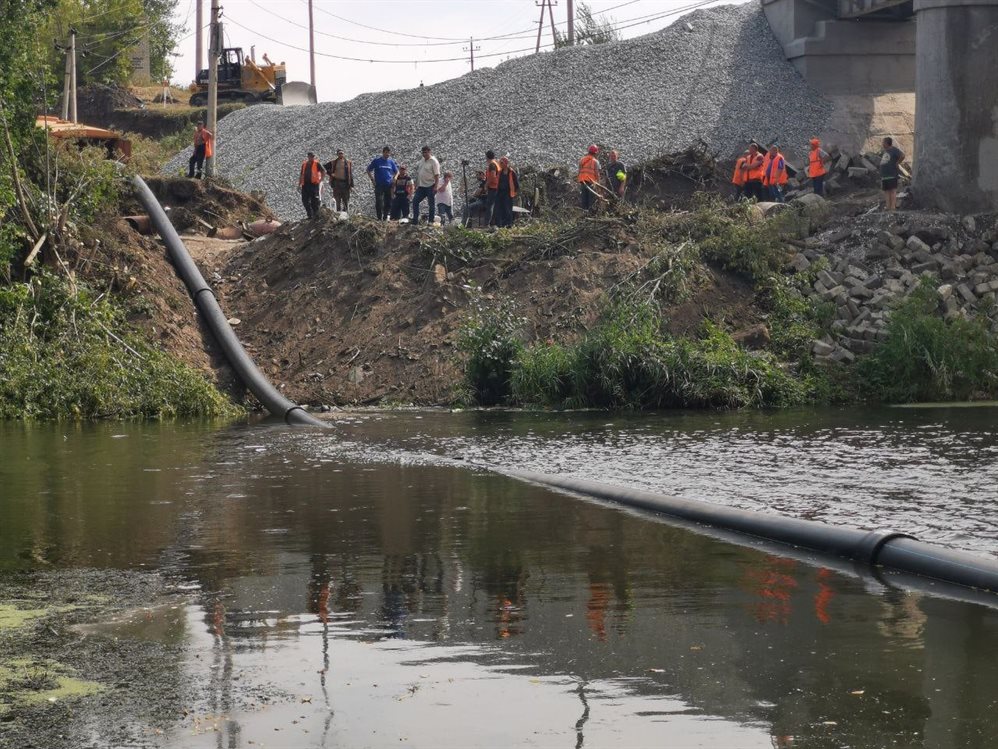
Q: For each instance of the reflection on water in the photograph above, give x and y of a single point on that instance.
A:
(344, 603)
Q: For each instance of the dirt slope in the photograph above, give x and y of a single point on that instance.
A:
(359, 312)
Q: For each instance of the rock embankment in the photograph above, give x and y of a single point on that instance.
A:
(865, 265)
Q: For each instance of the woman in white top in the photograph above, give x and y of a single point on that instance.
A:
(445, 199)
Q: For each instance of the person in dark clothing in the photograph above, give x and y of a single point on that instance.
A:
(477, 205)
(308, 183)
(381, 172)
(509, 185)
(616, 175)
(402, 189)
(202, 150)
(890, 172)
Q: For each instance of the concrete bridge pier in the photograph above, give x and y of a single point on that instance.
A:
(956, 114)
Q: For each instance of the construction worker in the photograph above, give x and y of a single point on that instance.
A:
(381, 171)
(340, 171)
(738, 177)
(616, 175)
(203, 149)
(402, 189)
(753, 168)
(774, 174)
(308, 183)
(491, 186)
(816, 166)
(588, 177)
(509, 185)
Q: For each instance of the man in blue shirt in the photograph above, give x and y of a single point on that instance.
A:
(382, 173)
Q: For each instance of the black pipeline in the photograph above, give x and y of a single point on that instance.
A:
(892, 551)
(207, 305)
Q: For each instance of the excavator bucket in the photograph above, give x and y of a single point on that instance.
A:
(296, 93)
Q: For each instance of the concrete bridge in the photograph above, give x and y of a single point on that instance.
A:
(874, 59)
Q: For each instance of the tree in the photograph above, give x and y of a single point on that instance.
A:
(589, 29)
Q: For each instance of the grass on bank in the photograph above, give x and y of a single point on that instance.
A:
(67, 354)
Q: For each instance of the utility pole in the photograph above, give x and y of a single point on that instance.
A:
(540, 24)
(72, 75)
(198, 38)
(554, 31)
(571, 22)
(472, 48)
(214, 50)
(65, 84)
(549, 4)
(311, 46)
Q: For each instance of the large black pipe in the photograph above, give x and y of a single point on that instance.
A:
(871, 549)
(214, 318)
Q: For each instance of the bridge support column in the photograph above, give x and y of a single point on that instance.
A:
(956, 116)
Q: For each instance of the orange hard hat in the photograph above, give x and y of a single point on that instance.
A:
(594, 149)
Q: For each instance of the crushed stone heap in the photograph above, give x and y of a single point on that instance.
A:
(726, 81)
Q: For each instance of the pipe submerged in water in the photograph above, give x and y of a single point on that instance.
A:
(206, 303)
(888, 550)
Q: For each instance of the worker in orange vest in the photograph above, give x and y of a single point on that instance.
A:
(509, 185)
(738, 176)
(816, 161)
(492, 170)
(588, 177)
(774, 174)
(753, 169)
(203, 142)
(308, 183)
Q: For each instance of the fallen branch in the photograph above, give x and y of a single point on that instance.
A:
(35, 250)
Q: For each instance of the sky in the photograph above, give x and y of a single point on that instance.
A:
(401, 43)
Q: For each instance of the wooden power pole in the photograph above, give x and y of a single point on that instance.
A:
(471, 48)
(214, 51)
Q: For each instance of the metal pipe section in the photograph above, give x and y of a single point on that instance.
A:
(214, 318)
(897, 552)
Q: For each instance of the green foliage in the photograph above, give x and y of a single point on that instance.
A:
(107, 31)
(927, 358)
(627, 361)
(726, 236)
(67, 355)
(490, 339)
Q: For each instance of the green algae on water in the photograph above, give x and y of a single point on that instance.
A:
(26, 682)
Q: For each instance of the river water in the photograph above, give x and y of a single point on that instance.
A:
(380, 586)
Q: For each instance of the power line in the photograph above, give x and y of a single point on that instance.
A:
(626, 24)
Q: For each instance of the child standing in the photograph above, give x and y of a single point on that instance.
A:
(445, 199)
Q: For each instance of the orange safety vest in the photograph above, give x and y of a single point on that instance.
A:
(315, 177)
(774, 170)
(512, 182)
(589, 169)
(738, 178)
(815, 167)
(492, 177)
(755, 167)
(209, 145)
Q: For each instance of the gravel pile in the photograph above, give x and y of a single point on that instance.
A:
(724, 82)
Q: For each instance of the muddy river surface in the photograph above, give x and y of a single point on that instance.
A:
(379, 585)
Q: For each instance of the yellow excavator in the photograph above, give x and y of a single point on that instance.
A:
(241, 79)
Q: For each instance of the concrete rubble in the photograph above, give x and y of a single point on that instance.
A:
(863, 269)
(646, 96)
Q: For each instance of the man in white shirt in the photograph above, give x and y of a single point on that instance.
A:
(427, 175)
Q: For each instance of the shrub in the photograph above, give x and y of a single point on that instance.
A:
(927, 358)
(64, 354)
(490, 339)
(543, 375)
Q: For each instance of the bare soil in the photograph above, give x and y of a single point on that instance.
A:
(355, 313)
